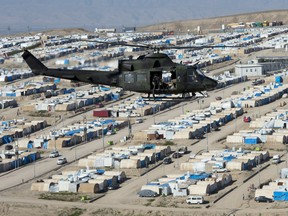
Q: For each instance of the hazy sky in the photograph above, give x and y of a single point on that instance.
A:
(21, 15)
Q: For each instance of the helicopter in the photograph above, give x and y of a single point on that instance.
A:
(153, 73)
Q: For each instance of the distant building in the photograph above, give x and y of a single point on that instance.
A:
(256, 68)
(129, 29)
(283, 60)
(105, 30)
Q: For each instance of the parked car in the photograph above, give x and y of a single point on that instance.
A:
(176, 155)
(192, 156)
(167, 160)
(61, 161)
(263, 199)
(147, 193)
(110, 132)
(54, 154)
(258, 82)
(219, 170)
(276, 159)
(195, 200)
(113, 186)
(183, 150)
(138, 120)
(247, 119)
(218, 98)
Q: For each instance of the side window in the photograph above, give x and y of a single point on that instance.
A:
(192, 77)
(141, 78)
(129, 78)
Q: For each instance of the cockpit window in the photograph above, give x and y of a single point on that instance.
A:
(192, 75)
(129, 78)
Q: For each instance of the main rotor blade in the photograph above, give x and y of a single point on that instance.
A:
(115, 43)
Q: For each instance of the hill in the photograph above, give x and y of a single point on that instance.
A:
(216, 22)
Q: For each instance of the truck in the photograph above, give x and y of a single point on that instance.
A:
(101, 113)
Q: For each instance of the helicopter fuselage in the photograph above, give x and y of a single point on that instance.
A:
(154, 73)
(171, 78)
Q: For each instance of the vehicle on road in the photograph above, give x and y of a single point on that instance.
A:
(263, 199)
(247, 119)
(276, 159)
(110, 132)
(258, 82)
(195, 200)
(219, 170)
(113, 186)
(176, 155)
(167, 160)
(192, 156)
(147, 193)
(61, 161)
(218, 98)
(138, 120)
(54, 154)
(183, 150)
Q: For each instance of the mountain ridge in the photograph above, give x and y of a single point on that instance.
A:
(216, 22)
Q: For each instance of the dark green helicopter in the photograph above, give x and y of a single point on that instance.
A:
(153, 73)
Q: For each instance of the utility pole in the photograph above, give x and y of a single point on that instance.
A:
(103, 137)
(207, 142)
(34, 168)
(85, 128)
(235, 116)
(55, 133)
(129, 128)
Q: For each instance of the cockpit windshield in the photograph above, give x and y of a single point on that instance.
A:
(200, 71)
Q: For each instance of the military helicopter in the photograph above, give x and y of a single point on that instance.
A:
(154, 73)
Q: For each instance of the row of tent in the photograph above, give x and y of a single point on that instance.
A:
(70, 102)
(10, 133)
(132, 157)
(26, 89)
(190, 125)
(81, 181)
(72, 135)
(229, 159)
(276, 190)
(199, 183)
(271, 128)
(7, 103)
(15, 75)
(14, 162)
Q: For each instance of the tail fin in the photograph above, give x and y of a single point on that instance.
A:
(35, 65)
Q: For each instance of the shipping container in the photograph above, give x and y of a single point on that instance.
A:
(101, 113)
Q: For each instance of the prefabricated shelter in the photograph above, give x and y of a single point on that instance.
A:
(130, 163)
(41, 186)
(121, 176)
(202, 189)
(102, 183)
(68, 186)
(235, 165)
(89, 188)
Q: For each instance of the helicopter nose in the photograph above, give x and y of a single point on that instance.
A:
(210, 83)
